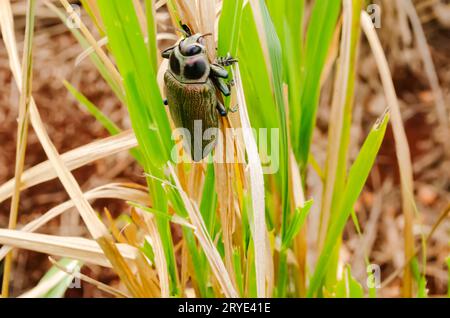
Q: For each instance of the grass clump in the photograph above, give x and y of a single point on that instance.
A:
(228, 228)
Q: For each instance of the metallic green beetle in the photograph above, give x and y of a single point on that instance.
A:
(190, 86)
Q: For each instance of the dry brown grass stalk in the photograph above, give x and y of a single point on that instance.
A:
(72, 247)
(72, 159)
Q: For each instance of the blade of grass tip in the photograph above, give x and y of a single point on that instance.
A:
(22, 132)
(336, 125)
(72, 159)
(94, 225)
(357, 178)
(401, 146)
(111, 191)
(430, 70)
(256, 182)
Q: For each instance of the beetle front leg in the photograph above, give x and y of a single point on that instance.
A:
(226, 60)
(221, 109)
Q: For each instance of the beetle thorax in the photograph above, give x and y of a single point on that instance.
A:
(189, 63)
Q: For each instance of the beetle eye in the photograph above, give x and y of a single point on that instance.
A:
(195, 70)
(191, 50)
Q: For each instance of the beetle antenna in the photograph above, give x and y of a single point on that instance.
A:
(206, 34)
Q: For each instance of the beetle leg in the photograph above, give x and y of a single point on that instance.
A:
(166, 53)
(230, 84)
(234, 109)
(227, 60)
(218, 71)
(222, 110)
(221, 86)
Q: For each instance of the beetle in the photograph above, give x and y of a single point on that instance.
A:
(191, 84)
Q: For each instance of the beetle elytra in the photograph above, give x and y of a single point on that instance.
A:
(191, 82)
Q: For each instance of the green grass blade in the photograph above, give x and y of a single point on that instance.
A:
(147, 113)
(275, 53)
(288, 19)
(348, 286)
(296, 224)
(107, 76)
(318, 40)
(109, 125)
(276, 60)
(357, 178)
(64, 282)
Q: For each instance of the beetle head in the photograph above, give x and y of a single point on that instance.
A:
(193, 45)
